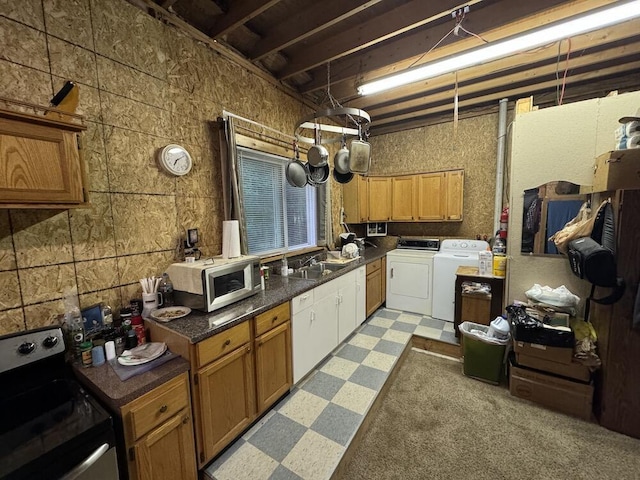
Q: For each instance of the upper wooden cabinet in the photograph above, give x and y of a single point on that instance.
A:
(379, 199)
(402, 200)
(41, 163)
(425, 197)
(430, 190)
(355, 200)
(454, 181)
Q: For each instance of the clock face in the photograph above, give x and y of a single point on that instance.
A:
(175, 160)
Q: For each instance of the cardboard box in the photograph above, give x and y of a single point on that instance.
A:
(617, 170)
(574, 370)
(553, 354)
(557, 393)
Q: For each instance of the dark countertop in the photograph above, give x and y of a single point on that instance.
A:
(103, 382)
(198, 326)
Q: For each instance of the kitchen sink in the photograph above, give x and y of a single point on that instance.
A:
(319, 270)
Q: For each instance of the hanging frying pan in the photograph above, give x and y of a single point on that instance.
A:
(295, 172)
(342, 177)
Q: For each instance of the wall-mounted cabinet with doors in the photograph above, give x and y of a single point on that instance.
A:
(324, 317)
(41, 163)
(424, 197)
(236, 375)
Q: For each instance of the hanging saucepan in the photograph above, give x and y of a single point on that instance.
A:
(317, 175)
(341, 159)
(317, 155)
(295, 172)
(342, 177)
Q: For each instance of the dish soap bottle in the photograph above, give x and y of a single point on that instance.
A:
(166, 289)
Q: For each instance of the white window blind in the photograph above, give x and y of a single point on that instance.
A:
(278, 217)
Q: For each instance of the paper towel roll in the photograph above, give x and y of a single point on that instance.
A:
(230, 239)
(632, 128)
(633, 141)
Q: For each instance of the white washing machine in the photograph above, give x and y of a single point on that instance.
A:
(452, 254)
(409, 275)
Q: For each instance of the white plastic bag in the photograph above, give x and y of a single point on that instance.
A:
(558, 297)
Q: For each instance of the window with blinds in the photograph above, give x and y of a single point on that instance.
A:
(278, 217)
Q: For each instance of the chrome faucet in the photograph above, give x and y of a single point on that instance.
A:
(311, 260)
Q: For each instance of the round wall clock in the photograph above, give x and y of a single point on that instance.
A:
(175, 159)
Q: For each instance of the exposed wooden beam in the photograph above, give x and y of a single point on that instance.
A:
(408, 50)
(193, 32)
(168, 3)
(396, 21)
(610, 35)
(238, 14)
(305, 23)
(470, 81)
(508, 93)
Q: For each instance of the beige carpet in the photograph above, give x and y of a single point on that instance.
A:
(435, 423)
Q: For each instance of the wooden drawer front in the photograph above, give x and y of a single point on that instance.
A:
(164, 402)
(272, 318)
(301, 302)
(222, 343)
(373, 267)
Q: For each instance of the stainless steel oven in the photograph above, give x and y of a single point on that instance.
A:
(50, 428)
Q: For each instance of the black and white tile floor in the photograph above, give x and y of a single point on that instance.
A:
(305, 435)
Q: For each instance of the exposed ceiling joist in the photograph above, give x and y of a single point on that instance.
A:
(239, 13)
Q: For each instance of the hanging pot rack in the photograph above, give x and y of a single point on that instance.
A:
(312, 122)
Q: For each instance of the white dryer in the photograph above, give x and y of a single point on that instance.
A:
(409, 275)
(453, 254)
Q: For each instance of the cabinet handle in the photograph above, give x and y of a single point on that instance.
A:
(305, 296)
(274, 319)
(185, 420)
(163, 408)
(391, 275)
(313, 316)
(227, 343)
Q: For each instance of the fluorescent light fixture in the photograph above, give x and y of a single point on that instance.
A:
(526, 41)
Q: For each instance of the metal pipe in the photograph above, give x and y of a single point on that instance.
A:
(502, 138)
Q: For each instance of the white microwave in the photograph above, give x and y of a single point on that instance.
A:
(214, 283)
(376, 229)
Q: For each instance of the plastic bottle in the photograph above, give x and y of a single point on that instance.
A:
(284, 270)
(166, 289)
(499, 258)
(107, 317)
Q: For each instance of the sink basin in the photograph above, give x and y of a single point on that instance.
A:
(319, 270)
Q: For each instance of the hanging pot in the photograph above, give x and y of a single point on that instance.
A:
(317, 155)
(341, 159)
(359, 156)
(317, 175)
(295, 172)
(342, 177)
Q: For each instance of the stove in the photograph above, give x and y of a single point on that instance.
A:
(49, 426)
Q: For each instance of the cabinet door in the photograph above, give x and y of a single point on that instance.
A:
(402, 200)
(431, 190)
(455, 194)
(374, 283)
(226, 391)
(168, 452)
(347, 319)
(354, 200)
(273, 365)
(379, 199)
(39, 164)
(361, 295)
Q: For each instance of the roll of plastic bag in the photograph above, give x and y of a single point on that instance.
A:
(633, 141)
(632, 128)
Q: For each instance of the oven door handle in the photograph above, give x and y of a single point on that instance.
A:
(86, 463)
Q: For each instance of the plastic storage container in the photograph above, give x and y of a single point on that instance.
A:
(483, 355)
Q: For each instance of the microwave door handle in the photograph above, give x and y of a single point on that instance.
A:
(86, 463)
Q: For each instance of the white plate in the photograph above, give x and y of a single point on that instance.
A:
(128, 357)
(170, 313)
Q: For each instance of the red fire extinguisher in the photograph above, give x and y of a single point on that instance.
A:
(504, 222)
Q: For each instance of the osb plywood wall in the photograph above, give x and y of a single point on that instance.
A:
(435, 148)
(142, 85)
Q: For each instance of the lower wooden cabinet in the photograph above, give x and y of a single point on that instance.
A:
(158, 430)
(375, 281)
(273, 365)
(226, 395)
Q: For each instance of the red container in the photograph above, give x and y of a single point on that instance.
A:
(138, 326)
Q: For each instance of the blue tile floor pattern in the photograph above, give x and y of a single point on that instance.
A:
(305, 435)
